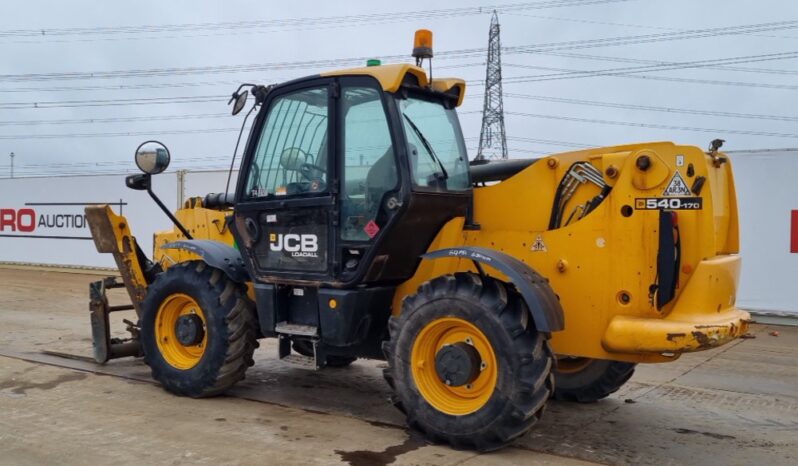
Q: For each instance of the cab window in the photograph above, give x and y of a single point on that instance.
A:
(438, 158)
(369, 163)
(291, 156)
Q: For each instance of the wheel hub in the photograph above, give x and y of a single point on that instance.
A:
(458, 364)
(189, 330)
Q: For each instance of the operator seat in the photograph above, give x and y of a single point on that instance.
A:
(380, 178)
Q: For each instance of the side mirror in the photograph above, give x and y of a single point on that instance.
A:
(240, 101)
(152, 157)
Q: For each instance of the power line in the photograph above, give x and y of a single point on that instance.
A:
(119, 87)
(551, 142)
(117, 134)
(660, 67)
(451, 54)
(716, 82)
(662, 62)
(113, 119)
(237, 27)
(687, 111)
(637, 26)
(182, 84)
(114, 102)
(655, 126)
(649, 38)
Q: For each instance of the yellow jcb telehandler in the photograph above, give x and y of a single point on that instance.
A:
(359, 229)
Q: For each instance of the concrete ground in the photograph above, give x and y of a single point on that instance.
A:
(734, 405)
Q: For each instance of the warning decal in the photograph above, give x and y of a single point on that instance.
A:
(371, 229)
(677, 187)
(538, 245)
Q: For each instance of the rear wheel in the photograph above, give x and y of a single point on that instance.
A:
(466, 364)
(198, 330)
(586, 380)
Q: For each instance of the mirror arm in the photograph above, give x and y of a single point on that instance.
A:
(167, 212)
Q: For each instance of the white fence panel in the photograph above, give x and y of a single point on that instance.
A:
(767, 193)
(200, 183)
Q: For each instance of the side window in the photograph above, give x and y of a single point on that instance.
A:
(438, 158)
(291, 157)
(369, 163)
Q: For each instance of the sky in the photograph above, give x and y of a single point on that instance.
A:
(82, 83)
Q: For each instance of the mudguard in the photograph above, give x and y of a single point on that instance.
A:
(543, 304)
(216, 254)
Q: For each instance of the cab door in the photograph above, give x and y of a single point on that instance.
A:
(286, 191)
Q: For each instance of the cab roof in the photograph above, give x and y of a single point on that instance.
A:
(391, 77)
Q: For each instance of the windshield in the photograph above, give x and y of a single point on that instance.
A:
(438, 158)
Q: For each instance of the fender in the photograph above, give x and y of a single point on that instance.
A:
(217, 255)
(543, 304)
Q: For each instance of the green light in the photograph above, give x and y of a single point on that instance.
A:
(373, 62)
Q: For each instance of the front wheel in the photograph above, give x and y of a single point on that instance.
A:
(198, 330)
(587, 380)
(466, 364)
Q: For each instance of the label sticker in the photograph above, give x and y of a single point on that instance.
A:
(677, 186)
(538, 245)
(674, 203)
(271, 218)
(259, 192)
(371, 229)
(679, 160)
(299, 292)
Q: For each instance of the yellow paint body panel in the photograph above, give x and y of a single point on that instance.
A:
(202, 223)
(591, 261)
(390, 78)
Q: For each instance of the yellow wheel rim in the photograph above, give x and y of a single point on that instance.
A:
(571, 364)
(177, 355)
(456, 401)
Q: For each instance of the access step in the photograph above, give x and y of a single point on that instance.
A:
(287, 328)
(305, 362)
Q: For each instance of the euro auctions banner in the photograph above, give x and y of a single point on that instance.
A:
(42, 220)
(49, 220)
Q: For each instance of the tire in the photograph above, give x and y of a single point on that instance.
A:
(303, 347)
(216, 363)
(523, 362)
(586, 380)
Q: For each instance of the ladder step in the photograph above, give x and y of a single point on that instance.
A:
(301, 361)
(296, 329)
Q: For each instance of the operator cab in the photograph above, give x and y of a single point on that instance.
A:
(346, 169)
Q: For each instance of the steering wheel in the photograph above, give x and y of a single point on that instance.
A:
(307, 170)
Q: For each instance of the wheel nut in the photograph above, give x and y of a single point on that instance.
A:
(469, 341)
(483, 365)
(469, 387)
